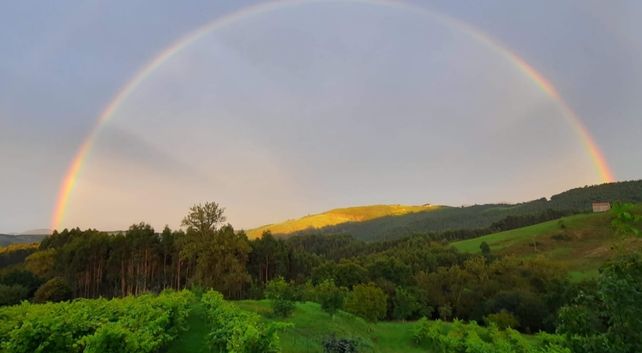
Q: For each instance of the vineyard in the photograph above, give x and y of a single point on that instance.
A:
(234, 330)
(466, 338)
(142, 324)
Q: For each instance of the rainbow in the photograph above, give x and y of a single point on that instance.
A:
(70, 179)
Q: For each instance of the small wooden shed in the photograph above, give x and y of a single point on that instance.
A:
(601, 206)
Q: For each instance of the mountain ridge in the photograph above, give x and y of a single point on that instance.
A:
(448, 218)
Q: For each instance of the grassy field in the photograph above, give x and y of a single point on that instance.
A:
(582, 243)
(312, 326)
(338, 216)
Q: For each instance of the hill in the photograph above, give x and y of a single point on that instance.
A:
(312, 326)
(397, 226)
(7, 239)
(339, 216)
(582, 243)
(40, 231)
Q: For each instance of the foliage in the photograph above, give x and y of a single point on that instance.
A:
(282, 297)
(405, 304)
(485, 248)
(471, 338)
(503, 319)
(235, 331)
(12, 294)
(140, 260)
(624, 220)
(54, 290)
(340, 345)
(330, 296)
(22, 278)
(204, 218)
(610, 318)
(367, 301)
(129, 325)
(16, 253)
(41, 263)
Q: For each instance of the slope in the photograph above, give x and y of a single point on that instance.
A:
(312, 326)
(478, 216)
(582, 243)
(339, 216)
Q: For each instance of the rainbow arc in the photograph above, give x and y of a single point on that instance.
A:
(71, 176)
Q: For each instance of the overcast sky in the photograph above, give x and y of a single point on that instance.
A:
(310, 106)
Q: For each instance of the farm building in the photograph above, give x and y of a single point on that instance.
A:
(601, 206)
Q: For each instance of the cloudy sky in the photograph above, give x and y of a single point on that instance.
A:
(278, 110)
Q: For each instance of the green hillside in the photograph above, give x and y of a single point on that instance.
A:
(339, 216)
(478, 216)
(311, 326)
(581, 242)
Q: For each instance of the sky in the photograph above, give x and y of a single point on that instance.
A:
(279, 110)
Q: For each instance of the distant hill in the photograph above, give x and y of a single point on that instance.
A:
(443, 218)
(6, 239)
(41, 231)
(339, 216)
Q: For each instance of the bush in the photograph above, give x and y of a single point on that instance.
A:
(141, 324)
(340, 345)
(503, 320)
(281, 296)
(608, 319)
(367, 301)
(111, 338)
(234, 330)
(10, 295)
(330, 296)
(54, 290)
(23, 278)
(471, 338)
(405, 304)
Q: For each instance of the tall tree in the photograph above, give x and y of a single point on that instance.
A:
(204, 218)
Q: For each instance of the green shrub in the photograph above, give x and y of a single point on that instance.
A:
(12, 294)
(236, 331)
(340, 345)
(54, 290)
(127, 325)
(405, 304)
(330, 296)
(503, 319)
(471, 338)
(281, 295)
(367, 301)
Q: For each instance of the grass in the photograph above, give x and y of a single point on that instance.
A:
(502, 240)
(194, 340)
(581, 243)
(312, 326)
(338, 216)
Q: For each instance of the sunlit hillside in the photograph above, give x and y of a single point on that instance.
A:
(581, 243)
(339, 216)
